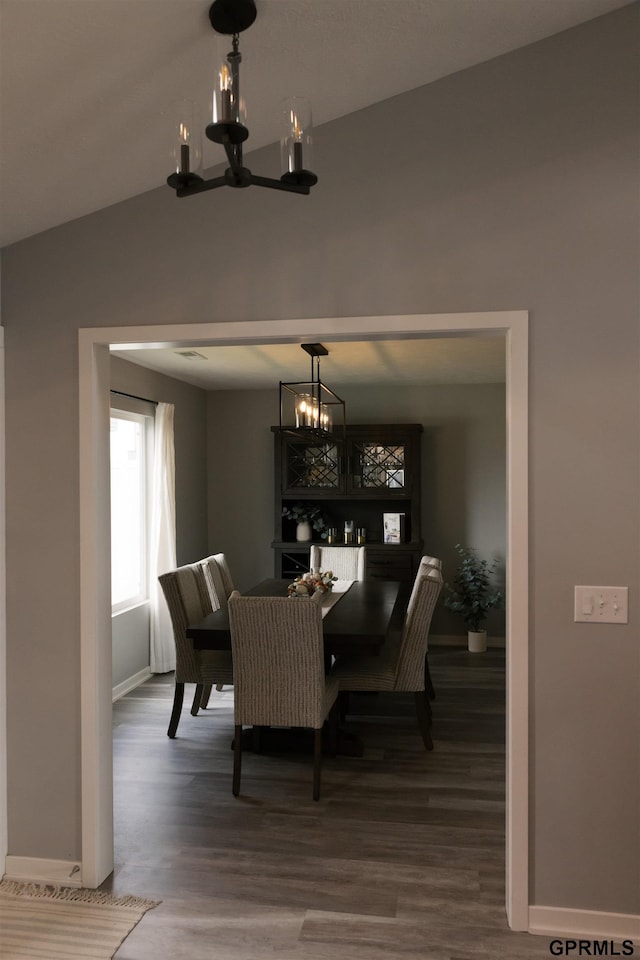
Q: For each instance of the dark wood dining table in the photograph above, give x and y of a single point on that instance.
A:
(357, 623)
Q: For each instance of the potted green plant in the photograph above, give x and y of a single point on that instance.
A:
(307, 518)
(471, 595)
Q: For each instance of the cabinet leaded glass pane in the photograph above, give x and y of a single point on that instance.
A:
(377, 465)
(313, 466)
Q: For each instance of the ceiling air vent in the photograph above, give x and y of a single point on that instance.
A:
(191, 354)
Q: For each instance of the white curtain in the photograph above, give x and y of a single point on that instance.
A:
(162, 551)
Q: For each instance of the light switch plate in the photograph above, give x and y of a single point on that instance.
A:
(601, 605)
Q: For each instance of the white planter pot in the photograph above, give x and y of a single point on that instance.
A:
(304, 531)
(477, 641)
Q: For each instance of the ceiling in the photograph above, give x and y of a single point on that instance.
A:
(436, 360)
(88, 87)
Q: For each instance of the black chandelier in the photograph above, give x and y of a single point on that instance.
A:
(227, 126)
(309, 409)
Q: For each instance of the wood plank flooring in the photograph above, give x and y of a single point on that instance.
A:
(401, 859)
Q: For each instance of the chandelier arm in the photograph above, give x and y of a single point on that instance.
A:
(279, 185)
(201, 187)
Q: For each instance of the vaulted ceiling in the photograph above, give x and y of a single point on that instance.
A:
(88, 87)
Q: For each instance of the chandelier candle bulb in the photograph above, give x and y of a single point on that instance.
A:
(304, 407)
(225, 101)
(296, 141)
(186, 148)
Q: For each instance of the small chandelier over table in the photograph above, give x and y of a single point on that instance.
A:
(309, 408)
(228, 127)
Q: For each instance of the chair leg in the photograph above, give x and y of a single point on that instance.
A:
(343, 704)
(206, 693)
(317, 760)
(237, 759)
(428, 682)
(197, 697)
(332, 724)
(256, 739)
(422, 711)
(178, 697)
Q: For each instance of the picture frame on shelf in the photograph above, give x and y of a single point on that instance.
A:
(393, 526)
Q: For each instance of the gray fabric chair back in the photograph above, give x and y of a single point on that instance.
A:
(188, 601)
(412, 650)
(225, 573)
(425, 566)
(278, 662)
(215, 584)
(347, 563)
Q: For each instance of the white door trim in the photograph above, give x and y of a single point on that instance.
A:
(97, 772)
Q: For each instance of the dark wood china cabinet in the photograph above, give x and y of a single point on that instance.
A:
(374, 471)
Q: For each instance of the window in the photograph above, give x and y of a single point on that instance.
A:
(129, 508)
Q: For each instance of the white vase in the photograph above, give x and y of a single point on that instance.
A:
(304, 531)
(477, 641)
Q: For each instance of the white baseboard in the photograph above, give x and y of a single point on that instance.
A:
(130, 684)
(560, 922)
(458, 640)
(64, 873)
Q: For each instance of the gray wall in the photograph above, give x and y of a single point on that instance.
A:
(463, 473)
(129, 643)
(518, 189)
(240, 480)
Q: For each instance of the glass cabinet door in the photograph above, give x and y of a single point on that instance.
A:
(308, 467)
(379, 467)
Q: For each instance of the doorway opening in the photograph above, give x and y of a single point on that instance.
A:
(94, 382)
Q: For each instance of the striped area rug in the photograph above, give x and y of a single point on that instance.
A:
(64, 923)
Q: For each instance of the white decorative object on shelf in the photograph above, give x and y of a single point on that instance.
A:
(394, 527)
(304, 531)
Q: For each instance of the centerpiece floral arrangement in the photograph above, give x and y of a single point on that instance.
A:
(309, 583)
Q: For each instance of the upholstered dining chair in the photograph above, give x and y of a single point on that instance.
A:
(219, 583)
(278, 665)
(425, 563)
(401, 665)
(189, 601)
(347, 563)
(225, 573)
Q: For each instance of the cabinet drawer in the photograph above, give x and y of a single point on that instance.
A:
(382, 565)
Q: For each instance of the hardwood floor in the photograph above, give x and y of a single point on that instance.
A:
(402, 857)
